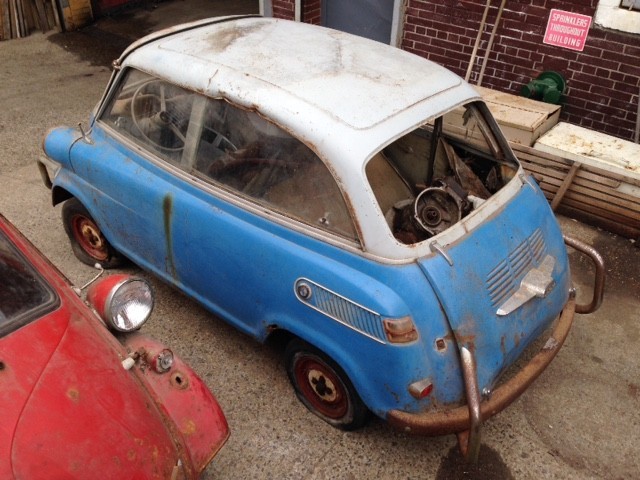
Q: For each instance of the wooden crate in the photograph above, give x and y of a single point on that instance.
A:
(522, 120)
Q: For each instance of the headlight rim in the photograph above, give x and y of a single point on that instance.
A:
(109, 315)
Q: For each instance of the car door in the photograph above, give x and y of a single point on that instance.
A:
(201, 192)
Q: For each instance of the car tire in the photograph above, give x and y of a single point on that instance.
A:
(87, 241)
(323, 387)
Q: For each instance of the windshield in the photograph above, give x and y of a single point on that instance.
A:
(24, 294)
(435, 175)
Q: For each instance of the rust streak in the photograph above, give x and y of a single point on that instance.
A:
(167, 210)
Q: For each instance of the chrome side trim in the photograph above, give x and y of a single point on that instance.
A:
(341, 309)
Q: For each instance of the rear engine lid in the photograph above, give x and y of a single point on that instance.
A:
(507, 281)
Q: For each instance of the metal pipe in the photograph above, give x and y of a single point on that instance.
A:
(297, 10)
(598, 262)
(470, 442)
(490, 45)
(475, 47)
(637, 139)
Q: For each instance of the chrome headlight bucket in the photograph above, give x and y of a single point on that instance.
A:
(124, 303)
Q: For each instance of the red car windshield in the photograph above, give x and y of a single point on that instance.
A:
(24, 294)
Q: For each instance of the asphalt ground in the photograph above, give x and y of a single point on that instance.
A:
(580, 419)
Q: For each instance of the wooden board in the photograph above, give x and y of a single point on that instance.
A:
(596, 196)
(5, 27)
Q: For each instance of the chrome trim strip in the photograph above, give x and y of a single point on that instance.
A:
(347, 312)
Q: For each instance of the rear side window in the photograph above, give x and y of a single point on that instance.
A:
(24, 294)
(244, 152)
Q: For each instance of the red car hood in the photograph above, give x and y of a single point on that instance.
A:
(75, 409)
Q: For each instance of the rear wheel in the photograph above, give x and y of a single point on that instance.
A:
(87, 241)
(323, 387)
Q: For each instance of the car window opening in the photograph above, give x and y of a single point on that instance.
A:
(434, 176)
(24, 294)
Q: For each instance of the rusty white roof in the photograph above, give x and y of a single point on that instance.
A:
(356, 81)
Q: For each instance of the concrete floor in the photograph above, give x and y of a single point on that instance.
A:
(580, 420)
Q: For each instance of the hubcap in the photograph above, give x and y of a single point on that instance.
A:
(322, 385)
(90, 238)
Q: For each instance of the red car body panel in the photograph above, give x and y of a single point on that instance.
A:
(70, 409)
(202, 433)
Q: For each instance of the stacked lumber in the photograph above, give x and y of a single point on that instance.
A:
(18, 18)
(596, 196)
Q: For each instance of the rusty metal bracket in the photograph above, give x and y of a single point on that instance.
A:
(598, 262)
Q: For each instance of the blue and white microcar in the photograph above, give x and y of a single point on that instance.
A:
(353, 199)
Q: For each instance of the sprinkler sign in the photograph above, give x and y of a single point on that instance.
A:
(567, 29)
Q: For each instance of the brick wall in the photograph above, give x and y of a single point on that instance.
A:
(602, 81)
(311, 11)
(283, 9)
(286, 9)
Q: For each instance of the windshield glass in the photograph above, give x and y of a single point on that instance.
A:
(24, 294)
(435, 175)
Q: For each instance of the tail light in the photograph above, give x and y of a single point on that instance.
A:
(123, 302)
(421, 389)
(400, 330)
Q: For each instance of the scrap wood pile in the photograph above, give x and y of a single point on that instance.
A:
(18, 18)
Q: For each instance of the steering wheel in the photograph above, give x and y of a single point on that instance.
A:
(437, 208)
(156, 116)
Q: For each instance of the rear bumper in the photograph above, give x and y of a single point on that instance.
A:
(466, 420)
(461, 419)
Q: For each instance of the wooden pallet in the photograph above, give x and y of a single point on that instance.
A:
(594, 195)
(18, 18)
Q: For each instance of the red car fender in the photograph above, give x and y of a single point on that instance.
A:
(184, 398)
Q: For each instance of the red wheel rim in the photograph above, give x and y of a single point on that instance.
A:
(322, 387)
(89, 237)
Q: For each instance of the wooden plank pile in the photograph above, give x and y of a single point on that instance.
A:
(18, 18)
(594, 195)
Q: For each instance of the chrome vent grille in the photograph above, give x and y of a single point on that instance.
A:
(505, 278)
(341, 309)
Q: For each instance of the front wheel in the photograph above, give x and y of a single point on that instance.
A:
(87, 241)
(323, 387)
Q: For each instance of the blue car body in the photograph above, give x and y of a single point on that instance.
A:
(463, 286)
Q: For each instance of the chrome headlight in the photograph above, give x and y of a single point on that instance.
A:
(123, 302)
